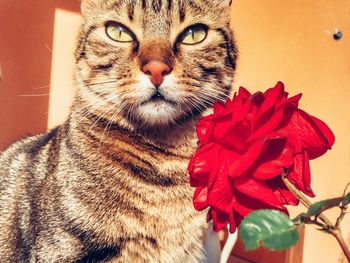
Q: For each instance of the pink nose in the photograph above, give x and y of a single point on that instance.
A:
(157, 70)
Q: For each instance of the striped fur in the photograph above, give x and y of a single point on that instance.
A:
(111, 184)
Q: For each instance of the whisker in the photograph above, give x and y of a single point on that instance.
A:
(85, 111)
(101, 83)
(48, 48)
(104, 114)
(109, 124)
(34, 95)
(42, 87)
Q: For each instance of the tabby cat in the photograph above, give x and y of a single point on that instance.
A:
(111, 183)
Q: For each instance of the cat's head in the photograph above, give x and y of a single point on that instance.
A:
(154, 63)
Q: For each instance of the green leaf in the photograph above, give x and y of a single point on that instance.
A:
(319, 207)
(303, 218)
(346, 200)
(268, 228)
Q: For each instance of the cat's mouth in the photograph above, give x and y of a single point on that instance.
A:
(157, 97)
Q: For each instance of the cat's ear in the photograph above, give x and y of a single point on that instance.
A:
(225, 3)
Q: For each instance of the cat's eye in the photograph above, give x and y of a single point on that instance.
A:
(119, 33)
(194, 35)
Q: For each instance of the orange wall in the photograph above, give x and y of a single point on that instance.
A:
(25, 58)
(26, 44)
(287, 40)
(291, 40)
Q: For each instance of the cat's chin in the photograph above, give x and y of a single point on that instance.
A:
(158, 113)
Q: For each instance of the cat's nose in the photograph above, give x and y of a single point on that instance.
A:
(157, 70)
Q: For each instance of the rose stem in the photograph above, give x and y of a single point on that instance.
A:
(334, 230)
(338, 235)
(306, 202)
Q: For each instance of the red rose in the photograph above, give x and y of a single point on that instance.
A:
(245, 147)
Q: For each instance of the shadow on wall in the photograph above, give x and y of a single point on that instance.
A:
(26, 43)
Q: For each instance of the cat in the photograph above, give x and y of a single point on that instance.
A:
(111, 183)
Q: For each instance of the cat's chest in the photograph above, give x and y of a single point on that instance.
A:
(139, 200)
(170, 230)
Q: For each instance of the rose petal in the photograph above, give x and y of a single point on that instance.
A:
(258, 190)
(324, 130)
(200, 198)
(232, 137)
(201, 164)
(220, 219)
(300, 170)
(307, 175)
(272, 96)
(296, 174)
(243, 93)
(205, 129)
(269, 125)
(232, 221)
(220, 109)
(280, 190)
(241, 207)
(245, 204)
(220, 192)
(274, 160)
(295, 99)
(314, 134)
(247, 159)
(240, 109)
(288, 197)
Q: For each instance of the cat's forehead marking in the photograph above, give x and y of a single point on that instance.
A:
(182, 13)
(131, 10)
(158, 19)
(162, 8)
(157, 5)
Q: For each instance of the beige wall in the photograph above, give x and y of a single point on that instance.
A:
(62, 87)
(289, 40)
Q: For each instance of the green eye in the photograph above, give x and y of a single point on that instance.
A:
(119, 33)
(194, 35)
